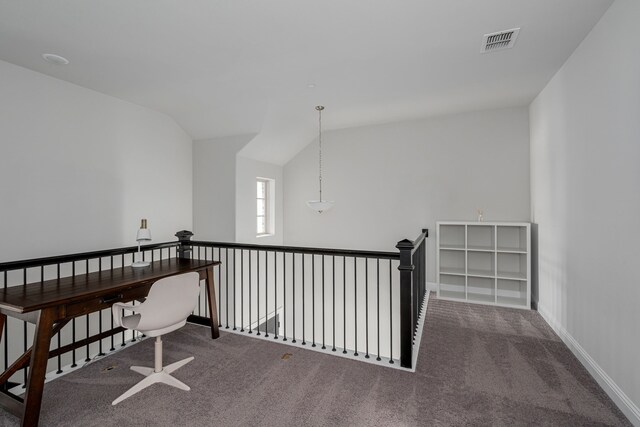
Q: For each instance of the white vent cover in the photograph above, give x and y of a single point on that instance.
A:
(500, 40)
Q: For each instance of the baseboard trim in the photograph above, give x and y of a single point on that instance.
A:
(626, 405)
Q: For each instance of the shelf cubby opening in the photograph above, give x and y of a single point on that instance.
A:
(481, 289)
(512, 292)
(512, 238)
(452, 286)
(512, 265)
(452, 236)
(452, 262)
(480, 237)
(480, 263)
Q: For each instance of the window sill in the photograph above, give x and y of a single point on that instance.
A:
(265, 235)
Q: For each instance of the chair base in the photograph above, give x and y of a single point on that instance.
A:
(152, 377)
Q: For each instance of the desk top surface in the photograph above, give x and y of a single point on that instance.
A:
(50, 293)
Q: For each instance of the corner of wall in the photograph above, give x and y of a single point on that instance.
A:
(620, 398)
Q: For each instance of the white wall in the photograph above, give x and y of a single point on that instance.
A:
(247, 170)
(390, 181)
(214, 187)
(585, 166)
(79, 169)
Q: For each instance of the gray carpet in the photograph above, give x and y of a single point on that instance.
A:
(477, 366)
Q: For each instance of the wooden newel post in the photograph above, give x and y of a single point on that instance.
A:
(184, 250)
(407, 320)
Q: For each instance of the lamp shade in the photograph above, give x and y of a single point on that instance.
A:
(144, 235)
(320, 205)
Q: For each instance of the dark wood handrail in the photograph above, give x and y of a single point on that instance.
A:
(421, 237)
(300, 249)
(81, 256)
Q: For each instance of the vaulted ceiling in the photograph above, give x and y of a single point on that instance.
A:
(230, 67)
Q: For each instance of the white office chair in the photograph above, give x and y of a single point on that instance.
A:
(170, 301)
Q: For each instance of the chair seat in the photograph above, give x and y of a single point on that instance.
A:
(131, 322)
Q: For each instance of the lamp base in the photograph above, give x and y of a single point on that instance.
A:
(139, 264)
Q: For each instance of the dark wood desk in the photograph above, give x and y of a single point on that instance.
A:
(53, 303)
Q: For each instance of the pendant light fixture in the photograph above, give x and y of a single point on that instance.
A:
(320, 205)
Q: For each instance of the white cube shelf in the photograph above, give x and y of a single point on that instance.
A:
(485, 262)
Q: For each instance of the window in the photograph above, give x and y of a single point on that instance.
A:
(264, 204)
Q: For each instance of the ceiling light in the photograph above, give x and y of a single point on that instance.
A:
(311, 85)
(55, 59)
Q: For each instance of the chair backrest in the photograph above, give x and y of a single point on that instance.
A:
(171, 300)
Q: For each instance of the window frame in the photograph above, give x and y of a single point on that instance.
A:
(268, 207)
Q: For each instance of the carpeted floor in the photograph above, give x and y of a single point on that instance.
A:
(478, 365)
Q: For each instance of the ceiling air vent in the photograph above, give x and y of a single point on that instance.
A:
(500, 40)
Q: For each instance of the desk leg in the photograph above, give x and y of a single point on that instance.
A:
(213, 308)
(38, 367)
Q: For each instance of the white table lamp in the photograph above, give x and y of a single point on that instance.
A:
(144, 235)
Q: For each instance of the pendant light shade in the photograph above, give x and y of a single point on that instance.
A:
(320, 205)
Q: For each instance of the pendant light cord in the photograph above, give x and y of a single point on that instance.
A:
(320, 108)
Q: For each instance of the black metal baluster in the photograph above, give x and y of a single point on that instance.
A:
(293, 304)
(324, 324)
(366, 307)
(219, 296)
(284, 295)
(266, 294)
(378, 302)
(276, 323)
(24, 333)
(206, 302)
(250, 324)
(303, 316)
(390, 315)
(226, 285)
(86, 271)
(199, 293)
(258, 292)
(59, 371)
(423, 262)
(333, 260)
(313, 300)
(6, 341)
(100, 353)
(241, 290)
(123, 335)
(112, 325)
(344, 305)
(355, 304)
(235, 306)
(73, 324)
